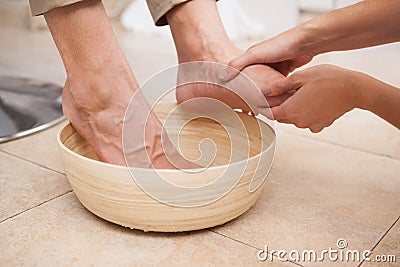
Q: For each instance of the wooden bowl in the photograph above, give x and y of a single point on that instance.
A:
(110, 192)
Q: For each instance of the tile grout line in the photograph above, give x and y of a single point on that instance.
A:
(30, 161)
(31, 208)
(382, 237)
(248, 245)
(342, 146)
(238, 241)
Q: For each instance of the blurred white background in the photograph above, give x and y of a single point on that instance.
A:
(27, 49)
(242, 18)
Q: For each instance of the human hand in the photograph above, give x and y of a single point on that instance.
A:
(247, 91)
(341, 29)
(285, 53)
(322, 94)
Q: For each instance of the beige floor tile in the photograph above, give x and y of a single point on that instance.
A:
(24, 185)
(40, 148)
(389, 245)
(30, 54)
(357, 129)
(317, 193)
(66, 234)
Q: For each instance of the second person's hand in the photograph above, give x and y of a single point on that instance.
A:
(322, 94)
(341, 29)
(285, 53)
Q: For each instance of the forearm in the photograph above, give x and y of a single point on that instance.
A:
(379, 98)
(368, 23)
(83, 36)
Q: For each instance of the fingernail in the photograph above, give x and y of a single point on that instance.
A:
(266, 90)
(222, 75)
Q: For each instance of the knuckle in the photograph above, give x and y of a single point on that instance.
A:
(300, 123)
(296, 76)
(295, 79)
(293, 116)
(325, 66)
(284, 113)
(316, 129)
(252, 51)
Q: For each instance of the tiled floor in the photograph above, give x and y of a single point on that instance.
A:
(341, 183)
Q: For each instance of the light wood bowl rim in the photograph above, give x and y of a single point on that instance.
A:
(89, 160)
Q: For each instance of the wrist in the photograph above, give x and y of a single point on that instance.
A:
(363, 91)
(329, 32)
(310, 38)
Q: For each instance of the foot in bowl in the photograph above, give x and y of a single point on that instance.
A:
(96, 108)
(100, 84)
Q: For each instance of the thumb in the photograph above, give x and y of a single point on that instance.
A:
(253, 55)
(258, 54)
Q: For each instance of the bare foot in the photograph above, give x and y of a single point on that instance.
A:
(200, 36)
(96, 105)
(100, 85)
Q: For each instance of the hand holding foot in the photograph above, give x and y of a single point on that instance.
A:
(200, 36)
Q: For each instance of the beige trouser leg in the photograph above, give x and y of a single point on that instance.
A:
(158, 8)
(38, 7)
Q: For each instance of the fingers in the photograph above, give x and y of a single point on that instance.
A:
(283, 115)
(274, 101)
(291, 83)
(319, 126)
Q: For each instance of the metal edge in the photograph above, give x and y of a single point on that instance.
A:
(34, 130)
